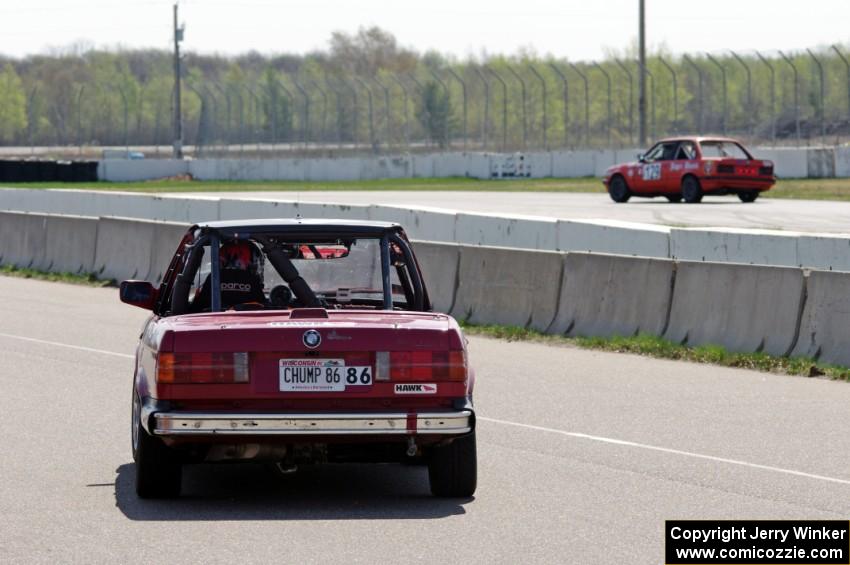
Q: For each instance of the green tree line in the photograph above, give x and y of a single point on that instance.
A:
(367, 91)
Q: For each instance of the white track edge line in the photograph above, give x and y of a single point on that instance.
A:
(667, 450)
(69, 346)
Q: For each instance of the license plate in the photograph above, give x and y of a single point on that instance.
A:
(322, 375)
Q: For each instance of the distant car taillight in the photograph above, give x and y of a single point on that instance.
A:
(413, 366)
(202, 368)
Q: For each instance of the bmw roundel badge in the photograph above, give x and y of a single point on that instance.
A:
(312, 339)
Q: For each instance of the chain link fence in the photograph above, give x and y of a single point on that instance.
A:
(502, 105)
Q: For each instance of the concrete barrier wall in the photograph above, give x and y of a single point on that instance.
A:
(439, 265)
(780, 248)
(69, 244)
(790, 162)
(124, 248)
(725, 245)
(820, 162)
(825, 322)
(747, 308)
(528, 232)
(129, 170)
(613, 236)
(744, 308)
(166, 239)
(22, 239)
(513, 287)
(606, 295)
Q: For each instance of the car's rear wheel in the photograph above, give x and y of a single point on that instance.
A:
(453, 468)
(674, 198)
(691, 190)
(618, 190)
(748, 195)
(158, 471)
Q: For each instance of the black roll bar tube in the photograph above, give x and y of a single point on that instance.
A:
(385, 272)
(215, 273)
(180, 292)
(412, 269)
(287, 270)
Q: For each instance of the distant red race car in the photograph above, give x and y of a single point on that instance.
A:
(686, 168)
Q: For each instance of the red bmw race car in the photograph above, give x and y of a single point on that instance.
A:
(298, 342)
(686, 168)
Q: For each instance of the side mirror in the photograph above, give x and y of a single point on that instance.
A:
(640, 158)
(138, 293)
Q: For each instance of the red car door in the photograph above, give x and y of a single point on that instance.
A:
(655, 169)
(686, 160)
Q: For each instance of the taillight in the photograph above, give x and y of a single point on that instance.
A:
(202, 368)
(422, 366)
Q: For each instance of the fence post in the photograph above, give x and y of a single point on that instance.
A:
(523, 107)
(566, 101)
(651, 98)
(607, 78)
(847, 68)
(772, 96)
(199, 136)
(485, 126)
(675, 94)
(723, 79)
(305, 127)
(463, 92)
(796, 93)
(448, 94)
(406, 112)
(545, 102)
(750, 113)
(372, 142)
(224, 93)
(631, 98)
(586, 104)
(821, 107)
(80, 118)
(699, 92)
(126, 117)
(324, 120)
(387, 118)
(504, 108)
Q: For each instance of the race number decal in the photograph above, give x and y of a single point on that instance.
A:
(652, 171)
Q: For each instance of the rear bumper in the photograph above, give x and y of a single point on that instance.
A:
(214, 424)
(733, 183)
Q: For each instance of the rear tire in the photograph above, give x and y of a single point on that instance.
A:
(748, 196)
(453, 468)
(674, 198)
(691, 190)
(158, 471)
(618, 190)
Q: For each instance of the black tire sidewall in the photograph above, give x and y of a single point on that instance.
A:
(453, 468)
(619, 190)
(691, 190)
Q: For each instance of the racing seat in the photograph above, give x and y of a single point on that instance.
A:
(237, 287)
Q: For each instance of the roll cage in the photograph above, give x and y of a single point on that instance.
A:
(272, 237)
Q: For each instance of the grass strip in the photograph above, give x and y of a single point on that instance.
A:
(809, 189)
(448, 184)
(86, 279)
(652, 346)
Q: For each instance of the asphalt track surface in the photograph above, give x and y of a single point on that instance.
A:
(715, 211)
(582, 456)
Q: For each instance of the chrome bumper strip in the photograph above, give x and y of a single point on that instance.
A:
(198, 423)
